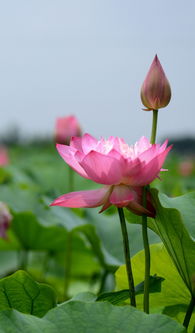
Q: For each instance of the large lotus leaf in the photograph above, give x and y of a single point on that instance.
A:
(170, 225)
(174, 223)
(47, 170)
(20, 197)
(19, 291)
(36, 217)
(109, 231)
(89, 317)
(35, 220)
(185, 204)
(8, 262)
(28, 199)
(33, 235)
(174, 297)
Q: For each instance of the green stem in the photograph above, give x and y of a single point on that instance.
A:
(103, 281)
(23, 259)
(189, 312)
(68, 264)
(144, 225)
(154, 126)
(147, 254)
(127, 257)
(70, 179)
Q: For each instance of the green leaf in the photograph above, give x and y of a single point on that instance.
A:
(185, 204)
(90, 233)
(33, 235)
(170, 226)
(115, 297)
(89, 318)
(173, 222)
(154, 285)
(5, 176)
(109, 231)
(21, 292)
(85, 297)
(173, 290)
(118, 297)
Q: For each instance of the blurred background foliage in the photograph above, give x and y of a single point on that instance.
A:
(73, 250)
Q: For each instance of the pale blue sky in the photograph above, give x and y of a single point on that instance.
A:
(89, 58)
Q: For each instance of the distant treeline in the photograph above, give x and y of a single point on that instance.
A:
(13, 137)
(183, 145)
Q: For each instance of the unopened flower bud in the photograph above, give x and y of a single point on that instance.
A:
(4, 159)
(5, 219)
(156, 90)
(66, 128)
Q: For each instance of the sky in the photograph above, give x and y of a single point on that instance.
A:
(89, 58)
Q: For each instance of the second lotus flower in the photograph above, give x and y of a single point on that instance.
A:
(66, 127)
(122, 169)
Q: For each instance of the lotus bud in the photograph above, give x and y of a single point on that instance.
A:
(66, 128)
(186, 168)
(4, 159)
(5, 219)
(156, 90)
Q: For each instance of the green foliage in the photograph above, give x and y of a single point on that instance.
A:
(118, 297)
(19, 291)
(170, 226)
(82, 249)
(174, 297)
(89, 317)
(173, 222)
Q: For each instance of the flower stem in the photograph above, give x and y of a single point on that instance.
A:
(144, 225)
(189, 312)
(154, 126)
(68, 264)
(147, 254)
(103, 281)
(70, 179)
(127, 257)
(23, 259)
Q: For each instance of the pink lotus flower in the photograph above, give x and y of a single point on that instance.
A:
(66, 128)
(5, 219)
(122, 169)
(4, 159)
(186, 168)
(155, 91)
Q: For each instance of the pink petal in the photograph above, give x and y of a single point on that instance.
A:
(149, 154)
(103, 169)
(122, 195)
(143, 144)
(136, 205)
(4, 159)
(85, 199)
(76, 142)
(151, 170)
(89, 143)
(164, 145)
(68, 155)
(138, 209)
(66, 127)
(132, 169)
(105, 206)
